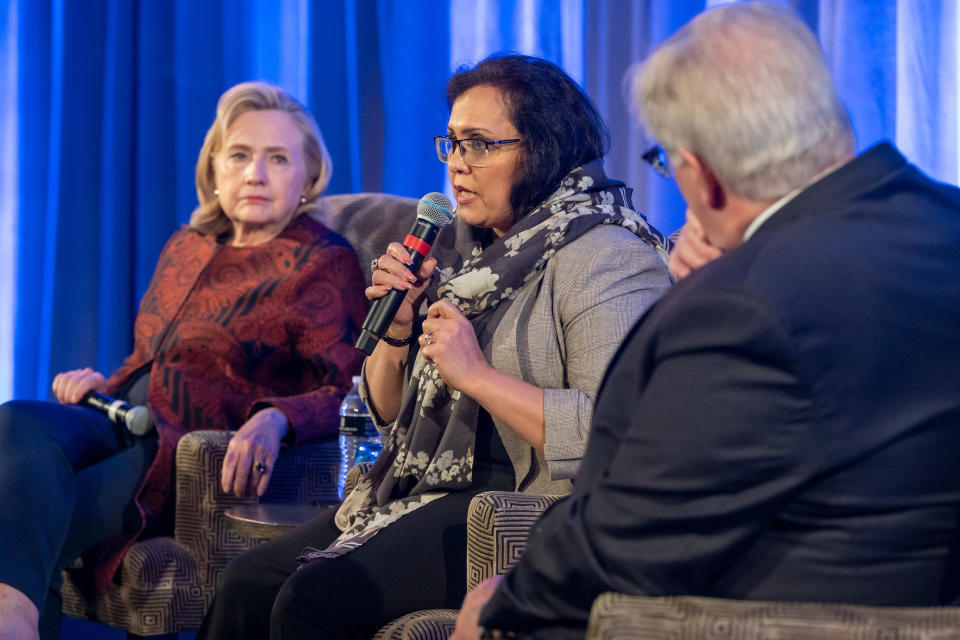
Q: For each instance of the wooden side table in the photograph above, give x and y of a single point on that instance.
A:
(270, 520)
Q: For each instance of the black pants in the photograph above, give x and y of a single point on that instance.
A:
(67, 481)
(417, 562)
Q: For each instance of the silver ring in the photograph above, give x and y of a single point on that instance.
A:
(375, 264)
(428, 338)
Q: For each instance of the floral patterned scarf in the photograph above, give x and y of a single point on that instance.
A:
(429, 449)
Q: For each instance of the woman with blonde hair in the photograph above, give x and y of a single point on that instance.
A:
(248, 324)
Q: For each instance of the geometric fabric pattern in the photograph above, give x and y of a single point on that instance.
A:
(498, 525)
(429, 624)
(621, 617)
(165, 584)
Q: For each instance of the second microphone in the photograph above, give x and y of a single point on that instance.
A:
(433, 212)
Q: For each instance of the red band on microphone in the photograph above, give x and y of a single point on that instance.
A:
(418, 245)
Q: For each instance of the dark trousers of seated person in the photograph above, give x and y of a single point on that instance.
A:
(67, 482)
(417, 562)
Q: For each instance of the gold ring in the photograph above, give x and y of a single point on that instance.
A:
(259, 467)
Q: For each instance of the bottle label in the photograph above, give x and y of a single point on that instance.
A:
(357, 426)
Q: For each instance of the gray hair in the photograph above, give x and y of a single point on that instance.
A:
(745, 88)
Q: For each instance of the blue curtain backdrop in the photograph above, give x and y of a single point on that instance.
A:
(103, 106)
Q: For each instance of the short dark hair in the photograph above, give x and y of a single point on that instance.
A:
(560, 126)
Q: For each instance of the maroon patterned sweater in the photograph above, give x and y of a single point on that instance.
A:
(228, 330)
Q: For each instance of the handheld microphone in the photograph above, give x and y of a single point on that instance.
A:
(137, 420)
(433, 212)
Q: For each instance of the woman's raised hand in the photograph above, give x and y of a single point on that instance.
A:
(70, 386)
(392, 272)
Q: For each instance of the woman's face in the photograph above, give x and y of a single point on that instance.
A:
(483, 193)
(261, 174)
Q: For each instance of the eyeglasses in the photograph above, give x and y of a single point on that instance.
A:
(658, 159)
(474, 151)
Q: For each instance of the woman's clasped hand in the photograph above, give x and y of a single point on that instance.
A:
(452, 345)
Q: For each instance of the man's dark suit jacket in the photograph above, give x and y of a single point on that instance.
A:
(783, 425)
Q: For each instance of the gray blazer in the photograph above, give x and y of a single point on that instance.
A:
(559, 334)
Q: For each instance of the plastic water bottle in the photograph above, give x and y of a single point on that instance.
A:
(359, 440)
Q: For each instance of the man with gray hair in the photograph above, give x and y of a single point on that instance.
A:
(785, 423)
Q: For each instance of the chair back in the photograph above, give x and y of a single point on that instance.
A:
(369, 222)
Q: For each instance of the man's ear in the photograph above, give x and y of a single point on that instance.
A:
(708, 189)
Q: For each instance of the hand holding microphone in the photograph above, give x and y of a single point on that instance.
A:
(83, 386)
(403, 264)
(137, 420)
(392, 273)
(69, 387)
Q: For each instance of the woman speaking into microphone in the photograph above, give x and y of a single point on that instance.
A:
(529, 292)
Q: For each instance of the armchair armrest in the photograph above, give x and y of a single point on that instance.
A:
(498, 524)
(615, 615)
(303, 474)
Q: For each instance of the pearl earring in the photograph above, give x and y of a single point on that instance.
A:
(303, 199)
(216, 192)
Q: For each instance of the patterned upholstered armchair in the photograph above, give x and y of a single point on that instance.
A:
(165, 584)
(616, 616)
(498, 523)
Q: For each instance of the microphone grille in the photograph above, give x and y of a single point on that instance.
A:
(139, 421)
(436, 208)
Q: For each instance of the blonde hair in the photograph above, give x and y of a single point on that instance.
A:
(744, 86)
(208, 217)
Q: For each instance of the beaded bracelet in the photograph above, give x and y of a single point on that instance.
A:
(397, 342)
